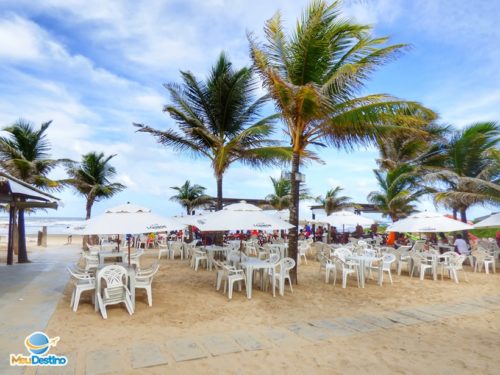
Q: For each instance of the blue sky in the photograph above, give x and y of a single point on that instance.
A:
(95, 67)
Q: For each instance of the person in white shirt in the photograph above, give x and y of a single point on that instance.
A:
(460, 245)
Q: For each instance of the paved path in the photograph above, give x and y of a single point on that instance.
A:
(29, 294)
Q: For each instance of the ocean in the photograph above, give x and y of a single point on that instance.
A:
(55, 225)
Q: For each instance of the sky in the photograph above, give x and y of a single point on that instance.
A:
(95, 67)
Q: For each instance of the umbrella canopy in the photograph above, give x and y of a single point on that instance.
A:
(493, 221)
(347, 219)
(241, 206)
(129, 219)
(427, 222)
(238, 220)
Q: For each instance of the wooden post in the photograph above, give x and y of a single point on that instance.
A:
(44, 236)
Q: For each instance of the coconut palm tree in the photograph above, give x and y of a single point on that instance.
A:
(24, 153)
(281, 197)
(400, 190)
(190, 196)
(219, 119)
(470, 170)
(92, 179)
(314, 75)
(332, 202)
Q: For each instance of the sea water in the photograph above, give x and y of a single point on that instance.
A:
(55, 225)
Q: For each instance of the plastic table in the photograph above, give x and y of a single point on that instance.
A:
(252, 264)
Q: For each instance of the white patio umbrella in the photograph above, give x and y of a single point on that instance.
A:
(427, 222)
(493, 221)
(346, 219)
(126, 219)
(239, 216)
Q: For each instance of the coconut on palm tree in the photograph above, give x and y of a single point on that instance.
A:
(190, 196)
(470, 170)
(219, 119)
(24, 153)
(333, 202)
(92, 179)
(400, 189)
(314, 75)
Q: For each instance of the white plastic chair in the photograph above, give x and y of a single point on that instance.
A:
(403, 258)
(198, 257)
(387, 260)
(144, 279)
(176, 248)
(285, 265)
(134, 257)
(91, 261)
(483, 259)
(82, 282)
(348, 268)
(163, 249)
(454, 265)
(328, 266)
(232, 275)
(302, 252)
(115, 290)
(422, 264)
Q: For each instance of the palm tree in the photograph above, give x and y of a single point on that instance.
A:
(470, 170)
(190, 196)
(24, 153)
(281, 198)
(315, 73)
(400, 190)
(219, 119)
(91, 178)
(332, 202)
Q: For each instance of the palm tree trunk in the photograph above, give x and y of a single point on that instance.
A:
(88, 210)
(10, 244)
(455, 213)
(294, 215)
(190, 227)
(463, 218)
(22, 255)
(219, 193)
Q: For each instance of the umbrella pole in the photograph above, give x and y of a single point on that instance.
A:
(118, 242)
(128, 251)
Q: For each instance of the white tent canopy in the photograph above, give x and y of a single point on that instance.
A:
(341, 219)
(427, 222)
(493, 221)
(127, 219)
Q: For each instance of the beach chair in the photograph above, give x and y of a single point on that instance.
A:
(176, 248)
(115, 290)
(483, 258)
(421, 263)
(387, 260)
(91, 261)
(163, 249)
(82, 282)
(328, 265)
(134, 257)
(347, 268)
(199, 257)
(302, 252)
(454, 265)
(144, 279)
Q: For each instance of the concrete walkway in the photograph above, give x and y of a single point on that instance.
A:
(29, 294)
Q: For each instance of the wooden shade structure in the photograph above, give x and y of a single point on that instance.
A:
(21, 195)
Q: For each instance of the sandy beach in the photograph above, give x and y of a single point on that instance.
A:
(186, 305)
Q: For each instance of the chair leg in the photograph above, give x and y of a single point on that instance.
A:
(72, 298)
(390, 275)
(290, 282)
(77, 299)
(150, 296)
(327, 275)
(230, 292)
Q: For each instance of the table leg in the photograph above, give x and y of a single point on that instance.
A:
(249, 281)
(132, 289)
(362, 274)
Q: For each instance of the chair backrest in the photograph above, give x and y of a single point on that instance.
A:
(273, 258)
(114, 275)
(418, 245)
(388, 258)
(176, 246)
(342, 252)
(148, 273)
(287, 264)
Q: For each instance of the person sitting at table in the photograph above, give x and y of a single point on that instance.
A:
(302, 236)
(461, 246)
(319, 233)
(333, 235)
(443, 239)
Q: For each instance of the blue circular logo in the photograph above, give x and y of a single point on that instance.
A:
(37, 343)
